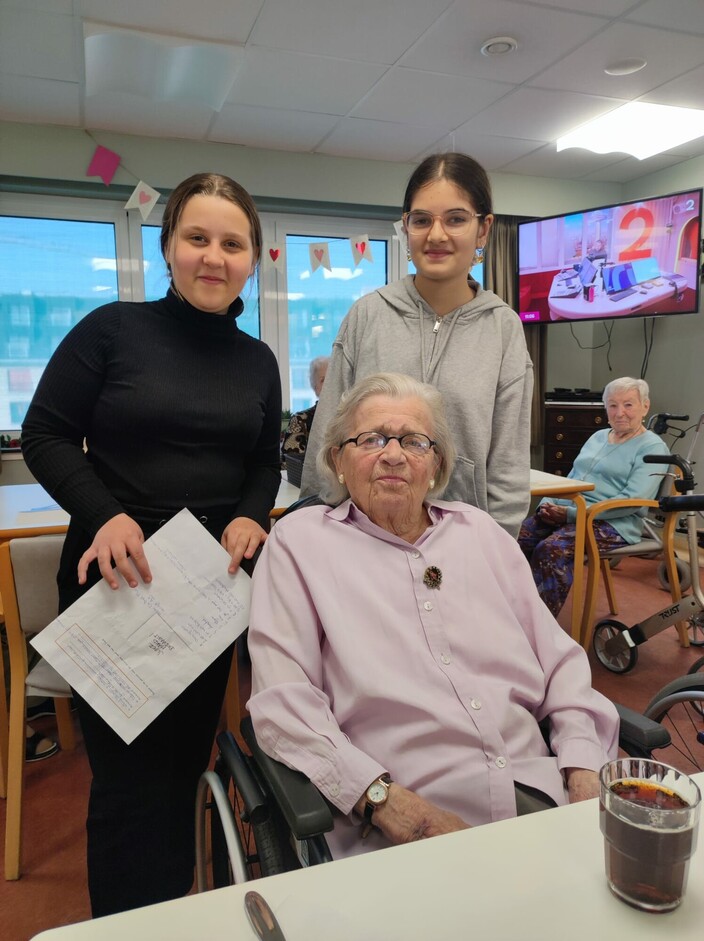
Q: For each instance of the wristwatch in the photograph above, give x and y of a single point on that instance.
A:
(376, 795)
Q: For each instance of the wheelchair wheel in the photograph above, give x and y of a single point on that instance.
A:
(619, 663)
(695, 626)
(679, 707)
(697, 667)
(260, 842)
(683, 572)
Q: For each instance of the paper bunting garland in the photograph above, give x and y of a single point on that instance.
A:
(319, 253)
(104, 164)
(361, 248)
(144, 197)
(276, 256)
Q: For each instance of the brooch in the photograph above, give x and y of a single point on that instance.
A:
(432, 577)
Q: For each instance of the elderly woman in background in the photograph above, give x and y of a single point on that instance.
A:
(612, 459)
(401, 656)
(296, 435)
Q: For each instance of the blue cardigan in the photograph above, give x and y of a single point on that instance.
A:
(618, 473)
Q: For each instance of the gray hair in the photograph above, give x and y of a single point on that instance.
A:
(315, 366)
(625, 384)
(395, 386)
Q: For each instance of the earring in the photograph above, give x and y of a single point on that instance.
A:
(408, 254)
(341, 478)
(431, 484)
(478, 255)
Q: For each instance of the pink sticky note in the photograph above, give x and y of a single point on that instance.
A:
(104, 164)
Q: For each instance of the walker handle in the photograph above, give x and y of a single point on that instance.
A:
(682, 504)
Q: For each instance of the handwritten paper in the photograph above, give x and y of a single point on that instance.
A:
(131, 652)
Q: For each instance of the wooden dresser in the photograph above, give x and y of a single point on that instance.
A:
(567, 427)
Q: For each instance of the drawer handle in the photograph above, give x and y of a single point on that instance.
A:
(559, 437)
(559, 473)
(559, 455)
(598, 420)
(560, 418)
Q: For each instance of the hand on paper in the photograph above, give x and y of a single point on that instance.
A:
(582, 785)
(242, 538)
(118, 540)
(406, 817)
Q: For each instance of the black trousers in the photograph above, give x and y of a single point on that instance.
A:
(141, 811)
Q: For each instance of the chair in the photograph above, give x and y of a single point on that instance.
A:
(266, 818)
(658, 540)
(28, 569)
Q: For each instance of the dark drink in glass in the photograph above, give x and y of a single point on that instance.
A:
(648, 814)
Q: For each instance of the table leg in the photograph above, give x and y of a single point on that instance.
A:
(578, 576)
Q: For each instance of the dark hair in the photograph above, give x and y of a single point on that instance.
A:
(209, 184)
(459, 169)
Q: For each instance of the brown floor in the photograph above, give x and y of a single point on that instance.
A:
(52, 890)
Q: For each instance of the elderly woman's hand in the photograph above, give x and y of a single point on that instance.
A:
(582, 785)
(406, 817)
(553, 514)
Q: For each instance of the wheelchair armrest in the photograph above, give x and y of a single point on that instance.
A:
(639, 735)
(305, 810)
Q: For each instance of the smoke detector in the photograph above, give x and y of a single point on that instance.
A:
(499, 46)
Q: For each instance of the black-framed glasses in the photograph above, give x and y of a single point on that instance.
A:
(418, 221)
(413, 442)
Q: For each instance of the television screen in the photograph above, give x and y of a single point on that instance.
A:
(634, 259)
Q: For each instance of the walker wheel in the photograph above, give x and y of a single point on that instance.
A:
(617, 663)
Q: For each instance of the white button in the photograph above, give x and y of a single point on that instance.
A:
(334, 789)
(475, 704)
(416, 555)
(500, 762)
(445, 659)
(428, 606)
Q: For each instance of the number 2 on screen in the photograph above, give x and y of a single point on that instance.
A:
(631, 219)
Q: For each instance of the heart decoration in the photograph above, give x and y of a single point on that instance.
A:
(318, 252)
(361, 247)
(144, 197)
(274, 253)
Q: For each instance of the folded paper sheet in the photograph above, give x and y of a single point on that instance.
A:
(131, 652)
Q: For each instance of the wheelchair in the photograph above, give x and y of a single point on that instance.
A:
(263, 818)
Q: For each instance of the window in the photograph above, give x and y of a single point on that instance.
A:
(62, 257)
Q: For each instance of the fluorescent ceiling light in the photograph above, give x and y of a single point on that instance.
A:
(637, 128)
(160, 68)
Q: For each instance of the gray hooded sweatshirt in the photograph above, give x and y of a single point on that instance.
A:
(476, 356)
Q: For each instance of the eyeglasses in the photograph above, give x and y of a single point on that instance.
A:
(456, 221)
(412, 442)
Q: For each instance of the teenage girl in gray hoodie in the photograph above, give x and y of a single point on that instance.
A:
(440, 326)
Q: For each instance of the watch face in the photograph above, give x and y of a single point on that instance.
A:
(377, 792)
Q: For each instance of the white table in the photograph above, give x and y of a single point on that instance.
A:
(577, 308)
(27, 509)
(534, 878)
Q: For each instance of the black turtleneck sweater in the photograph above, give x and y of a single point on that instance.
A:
(178, 408)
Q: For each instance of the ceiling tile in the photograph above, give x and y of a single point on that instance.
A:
(277, 79)
(687, 91)
(377, 140)
(38, 44)
(129, 114)
(540, 115)
(364, 29)
(453, 44)
(270, 127)
(667, 54)
(25, 98)
(427, 98)
(205, 19)
(631, 169)
(684, 15)
(570, 164)
(605, 7)
(491, 151)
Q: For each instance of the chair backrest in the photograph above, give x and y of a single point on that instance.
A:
(34, 562)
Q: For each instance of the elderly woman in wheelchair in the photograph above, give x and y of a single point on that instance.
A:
(401, 656)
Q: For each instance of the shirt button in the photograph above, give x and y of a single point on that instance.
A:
(416, 555)
(334, 789)
(428, 606)
(500, 762)
(475, 704)
(445, 659)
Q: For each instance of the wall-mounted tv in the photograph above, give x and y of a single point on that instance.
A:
(634, 259)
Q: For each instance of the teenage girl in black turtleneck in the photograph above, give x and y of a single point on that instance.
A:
(178, 408)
